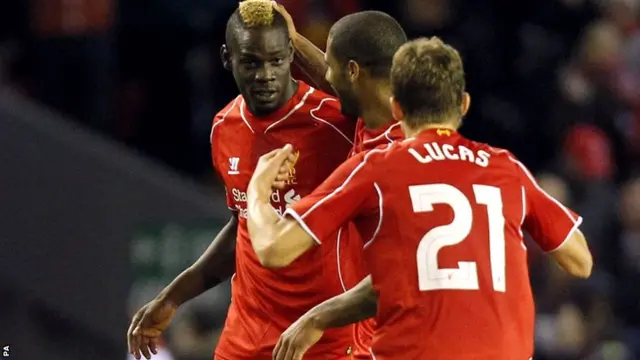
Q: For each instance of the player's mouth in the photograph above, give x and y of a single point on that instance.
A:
(265, 95)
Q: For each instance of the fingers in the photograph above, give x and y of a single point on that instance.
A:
(283, 155)
(281, 180)
(148, 345)
(132, 326)
(297, 355)
(153, 345)
(290, 352)
(286, 349)
(142, 342)
(280, 185)
(270, 154)
(145, 347)
(277, 7)
(277, 349)
(278, 156)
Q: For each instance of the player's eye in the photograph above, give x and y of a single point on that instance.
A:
(278, 61)
(249, 63)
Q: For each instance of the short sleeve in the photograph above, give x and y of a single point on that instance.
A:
(346, 194)
(548, 222)
(215, 148)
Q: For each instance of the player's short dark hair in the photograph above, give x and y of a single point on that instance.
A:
(253, 14)
(369, 38)
(427, 80)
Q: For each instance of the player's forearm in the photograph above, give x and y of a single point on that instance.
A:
(311, 60)
(262, 221)
(276, 240)
(357, 304)
(216, 265)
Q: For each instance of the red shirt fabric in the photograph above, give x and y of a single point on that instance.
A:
(365, 140)
(266, 301)
(368, 139)
(441, 220)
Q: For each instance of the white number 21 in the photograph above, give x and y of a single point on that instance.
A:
(465, 276)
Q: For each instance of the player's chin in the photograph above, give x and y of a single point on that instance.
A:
(266, 102)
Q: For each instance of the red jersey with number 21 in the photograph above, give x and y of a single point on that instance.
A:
(442, 220)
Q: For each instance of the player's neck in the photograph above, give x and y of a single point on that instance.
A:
(291, 90)
(411, 132)
(377, 111)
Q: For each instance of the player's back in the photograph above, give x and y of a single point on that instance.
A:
(266, 301)
(448, 259)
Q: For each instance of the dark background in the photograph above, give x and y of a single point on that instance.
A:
(106, 183)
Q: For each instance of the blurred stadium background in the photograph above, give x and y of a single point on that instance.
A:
(107, 191)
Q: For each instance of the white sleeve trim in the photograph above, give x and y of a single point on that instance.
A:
(302, 224)
(380, 218)
(566, 239)
(317, 118)
(384, 134)
(539, 189)
(293, 110)
(224, 116)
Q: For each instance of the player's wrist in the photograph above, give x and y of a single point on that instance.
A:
(169, 298)
(258, 195)
(319, 320)
(181, 289)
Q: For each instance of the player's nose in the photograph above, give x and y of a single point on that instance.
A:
(265, 73)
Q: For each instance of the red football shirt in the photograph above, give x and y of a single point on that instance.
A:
(264, 301)
(442, 221)
(365, 140)
(368, 139)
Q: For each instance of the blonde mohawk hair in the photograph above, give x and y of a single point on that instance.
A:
(255, 13)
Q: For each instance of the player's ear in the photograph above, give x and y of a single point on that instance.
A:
(353, 70)
(466, 103)
(396, 110)
(291, 51)
(225, 57)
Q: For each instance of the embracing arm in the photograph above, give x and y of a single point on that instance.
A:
(357, 304)
(308, 57)
(311, 61)
(216, 265)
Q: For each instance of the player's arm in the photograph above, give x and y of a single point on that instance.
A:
(574, 255)
(214, 266)
(554, 227)
(357, 304)
(308, 57)
(278, 240)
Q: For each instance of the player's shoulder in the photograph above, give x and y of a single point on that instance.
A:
(232, 108)
(502, 158)
(493, 151)
(321, 104)
(226, 116)
(230, 111)
(319, 109)
(374, 157)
